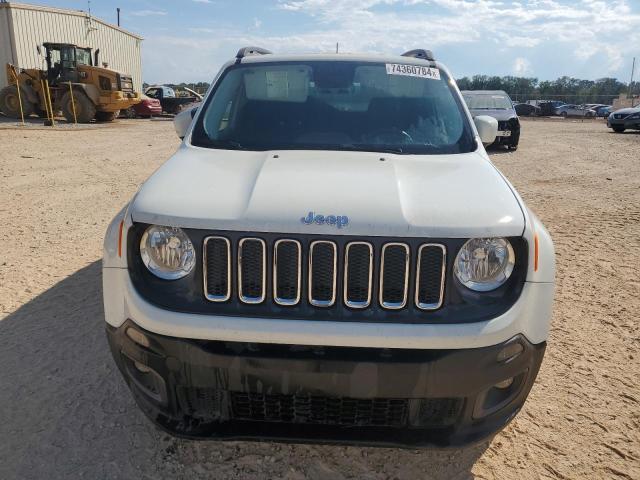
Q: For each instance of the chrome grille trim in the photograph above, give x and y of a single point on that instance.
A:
(323, 303)
(286, 301)
(244, 298)
(431, 306)
(205, 274)
(388, 305)
(347, 302)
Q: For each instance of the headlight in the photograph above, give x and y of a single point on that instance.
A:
(167, 252)
(483, 264)
(634, 116)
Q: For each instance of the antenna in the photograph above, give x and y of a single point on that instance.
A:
(89, 6)
(118, 10)
(633, 69)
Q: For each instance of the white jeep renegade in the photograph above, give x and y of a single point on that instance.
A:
(330, 256)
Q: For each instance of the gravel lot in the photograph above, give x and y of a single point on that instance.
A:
(65, 412)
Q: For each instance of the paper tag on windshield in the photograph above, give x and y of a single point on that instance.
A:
(277, 84)
(413, 71)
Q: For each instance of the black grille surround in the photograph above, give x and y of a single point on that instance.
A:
(459, 305)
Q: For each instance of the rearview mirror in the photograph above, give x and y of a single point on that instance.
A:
(182, 121)
(487, 128)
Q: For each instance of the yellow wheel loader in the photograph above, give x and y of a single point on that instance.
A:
(78, 87)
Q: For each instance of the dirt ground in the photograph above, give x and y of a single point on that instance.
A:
(65, 412)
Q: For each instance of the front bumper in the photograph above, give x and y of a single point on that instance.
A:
(411, 397)
(119, 101)
(633, 124)
(143, 109)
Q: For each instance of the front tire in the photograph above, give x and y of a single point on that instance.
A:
(130, 113)
(10, 104)
(107, 116)
(618, 129)
(564, 114)
(84, 107)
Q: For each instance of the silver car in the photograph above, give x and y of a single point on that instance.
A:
(571, 110)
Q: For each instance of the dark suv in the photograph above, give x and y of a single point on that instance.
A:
(498, 105)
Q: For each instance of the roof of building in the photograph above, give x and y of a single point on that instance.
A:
(64, 11)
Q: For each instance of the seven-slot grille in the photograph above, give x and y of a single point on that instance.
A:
(354, 266)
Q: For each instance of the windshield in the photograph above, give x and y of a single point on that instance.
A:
(334, 105)
(485, 101)
(83, 57)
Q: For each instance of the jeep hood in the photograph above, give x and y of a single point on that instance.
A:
(428, 196)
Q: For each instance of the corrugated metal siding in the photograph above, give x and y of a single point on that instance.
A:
(6, 43)
(33, 26)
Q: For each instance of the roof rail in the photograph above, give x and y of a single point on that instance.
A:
(420, 53)
(247, 51)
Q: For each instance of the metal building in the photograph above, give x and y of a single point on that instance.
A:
(23, 27)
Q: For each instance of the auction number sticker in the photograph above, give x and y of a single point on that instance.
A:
(413, 71)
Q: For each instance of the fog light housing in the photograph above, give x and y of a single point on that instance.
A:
(141, 367)
(504, 384)
(138, 337)
(510, 352)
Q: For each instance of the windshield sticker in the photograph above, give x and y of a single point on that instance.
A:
(277, 84)
(413, 71)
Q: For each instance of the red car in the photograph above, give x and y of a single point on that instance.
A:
(147, 108)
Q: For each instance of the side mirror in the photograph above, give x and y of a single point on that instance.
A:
(487, 128)
(39, 50)
(182, 121)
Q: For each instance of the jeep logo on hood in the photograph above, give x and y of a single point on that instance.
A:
(337, 220)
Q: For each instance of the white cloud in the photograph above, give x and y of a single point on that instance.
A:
(521, 66)
(202, 1)
(147, 13)
(484, 35)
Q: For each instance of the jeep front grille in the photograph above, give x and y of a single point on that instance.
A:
(287, 272)
(217, 264)
(430, 278)
(358, 269)
(252, 270)
(321, 272)
(394, 275)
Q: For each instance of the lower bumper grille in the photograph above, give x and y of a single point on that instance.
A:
(319, 410)
(221, 405)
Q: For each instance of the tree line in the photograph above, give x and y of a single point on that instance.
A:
(569, 89)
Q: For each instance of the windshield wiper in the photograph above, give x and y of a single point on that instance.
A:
(226, 144)
(372, 148)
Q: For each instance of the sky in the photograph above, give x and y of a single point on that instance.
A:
(189, 40)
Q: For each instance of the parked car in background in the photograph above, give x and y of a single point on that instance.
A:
(623, 119)
(147, 108)
(496, 104)
(172, 101)
(547, 107)
(603, 110)
(572, 110)
(527, 110)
